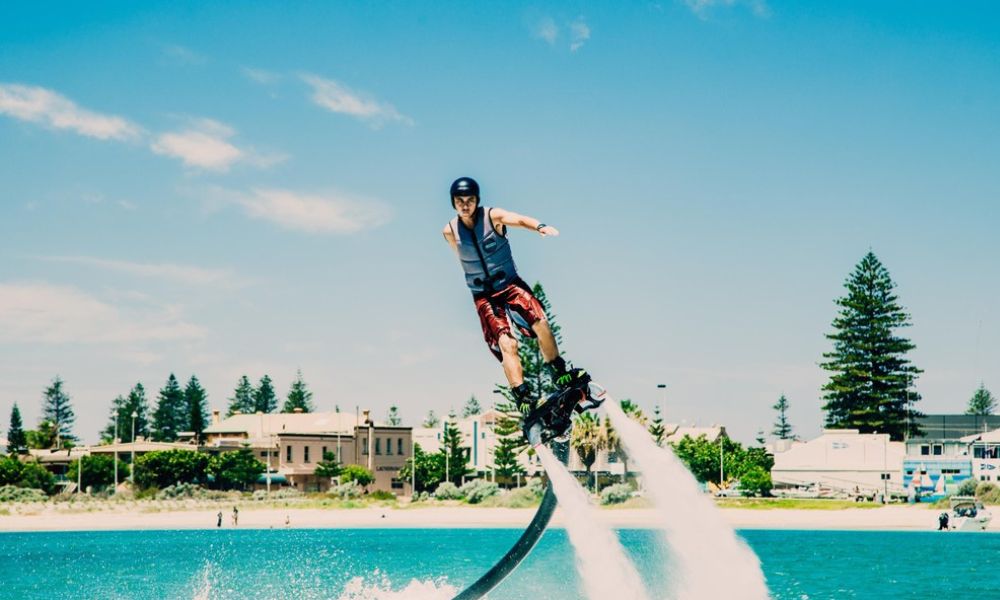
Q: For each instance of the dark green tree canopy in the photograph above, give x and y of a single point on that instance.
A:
(430, 469)
(171, 415)
(299, 396)
(242, 401)
(870, 377)
(235, 470)
(457, 460)
(98, 471)
(196, 400)
(982, 402)
(264, 398)
(58, 410)
(431, 420)
(782, 428)
(17, 441)
(122, 410)
(168, 467)
(656, 428)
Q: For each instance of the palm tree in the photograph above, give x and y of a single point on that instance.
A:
(614, 442)
(588, 438)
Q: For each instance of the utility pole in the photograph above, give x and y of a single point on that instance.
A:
(116, 441)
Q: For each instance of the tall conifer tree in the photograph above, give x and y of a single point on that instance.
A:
(982, 402)
(392, 418)
(171, 415)
(57, 410)
(656, 428)
(243, 401)
(782, 428)
(17, 441)
(264, 398)
(299, 396)
(471, 408)
(870, 380)
(197, 403)
(122, 409)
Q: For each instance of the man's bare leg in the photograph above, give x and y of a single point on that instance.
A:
(546, 341)
(511, 361)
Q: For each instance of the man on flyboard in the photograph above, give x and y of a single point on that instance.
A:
(478, 234)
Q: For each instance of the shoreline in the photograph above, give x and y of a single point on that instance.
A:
(888, 518)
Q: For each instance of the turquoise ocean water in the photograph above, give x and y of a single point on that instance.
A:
(321, 563)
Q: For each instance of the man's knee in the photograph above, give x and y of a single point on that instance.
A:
(508, 345)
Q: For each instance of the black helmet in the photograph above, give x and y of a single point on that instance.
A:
(464, 186)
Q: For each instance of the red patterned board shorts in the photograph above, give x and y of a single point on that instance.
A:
(493, 310)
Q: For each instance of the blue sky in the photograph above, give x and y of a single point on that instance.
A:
(230, 189)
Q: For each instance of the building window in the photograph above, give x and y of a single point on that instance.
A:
(263, 454)
(288, 454)
(399, 447)
(397, 484)
(938, 449)
(322, 456)
(364, 446)
(306, 455)
(378, 446)
(925, 450)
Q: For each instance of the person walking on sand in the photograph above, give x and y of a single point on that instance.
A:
(236, 516)
(219, 523)
(478, 234)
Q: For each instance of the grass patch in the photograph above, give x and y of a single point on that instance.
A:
(792, 503)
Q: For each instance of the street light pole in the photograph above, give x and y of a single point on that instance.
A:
(117, 416)
(131, 467)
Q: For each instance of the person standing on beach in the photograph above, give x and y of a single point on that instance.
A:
(219, 523)
(478, 235)
(236, 516)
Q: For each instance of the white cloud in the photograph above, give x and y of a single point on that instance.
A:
(338, 98)
(546, 29)
(52, 314)
(330, 213)
(185, 274)
(40, 105)
(760, 8)
(579, 33)
(260, 76)
(205, 145)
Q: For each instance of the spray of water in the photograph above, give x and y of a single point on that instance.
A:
(601, 560)
(713, 561)
(204, 589)
(380, 588)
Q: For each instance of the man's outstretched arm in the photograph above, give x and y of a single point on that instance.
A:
(512, 219)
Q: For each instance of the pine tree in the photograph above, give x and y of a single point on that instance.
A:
(533, 364)
(431, 420)
(122, 410)
(17, 441)
(299, 396)
(264, 398)
(782, 428)
(197, 403)
(57, 410)
(171, 415)
(869, 386)
(982, 403)
(392, 418)
(656, 428)
(243, 399)
(471, 408)
(451, 446)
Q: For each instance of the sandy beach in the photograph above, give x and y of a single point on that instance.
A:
(48, 519)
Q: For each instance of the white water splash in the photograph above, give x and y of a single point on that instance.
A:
(381, 589)
(601, 560)
(204, 590)
(713, 561)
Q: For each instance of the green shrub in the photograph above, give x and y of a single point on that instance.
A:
(382, 495)
(11, 493)
(755, 481)
(164, 468)
(98, 471)
(236, 470)
(536, 487)
(447, 491)
(477, 490)
(34, 475)
(356, 473)
(346, 491)
(279, 494)
(10, 470)
(988, 493)
(616, 494)
(967, 488)
(182, 490)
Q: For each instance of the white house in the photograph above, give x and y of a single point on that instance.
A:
(842, 459)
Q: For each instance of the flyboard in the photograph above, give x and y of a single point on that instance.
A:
(550, 424)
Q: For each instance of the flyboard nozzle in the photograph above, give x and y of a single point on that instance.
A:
(535, 434)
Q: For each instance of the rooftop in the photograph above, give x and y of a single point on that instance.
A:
(259, 426)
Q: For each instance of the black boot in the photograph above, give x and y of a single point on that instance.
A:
(564, 375)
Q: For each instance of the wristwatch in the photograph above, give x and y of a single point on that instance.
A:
(539, 226)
